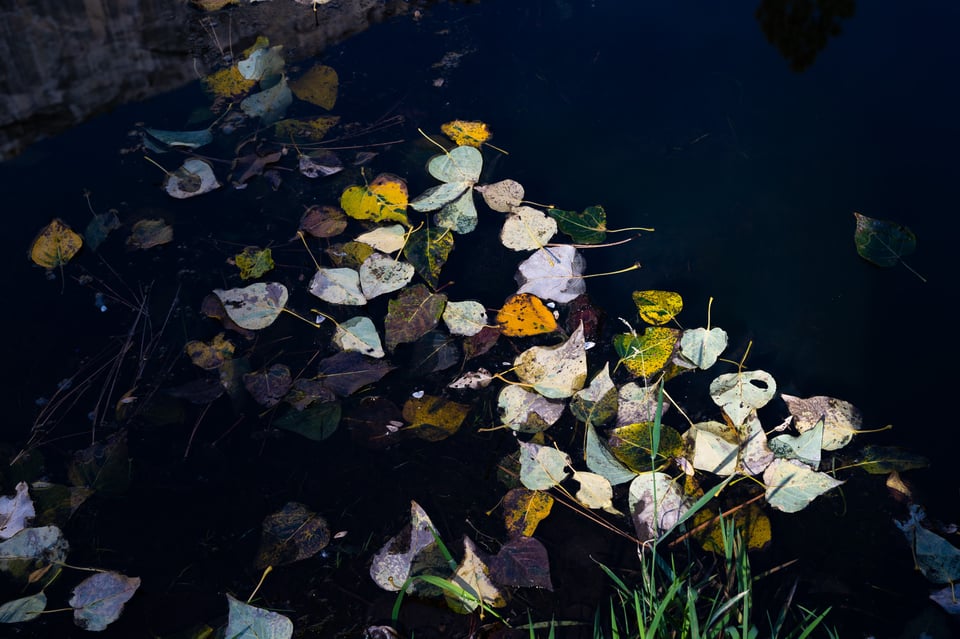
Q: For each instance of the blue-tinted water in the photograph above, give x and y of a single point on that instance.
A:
(681, 117)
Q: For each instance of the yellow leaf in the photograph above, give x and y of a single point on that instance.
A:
(523, 509)
(466, 133)
(317, 86)
(253, 262)
(647, 354)
(657, 307)
(524, 315)
(751, 521)
(383, 200)
(313, 129)
(212, 5)
(55, 245)
(349, 254)
(228, 83)
(434, 418)
(210, 356)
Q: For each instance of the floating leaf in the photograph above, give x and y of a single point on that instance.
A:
(149, 233)
(646, 355)
(194, 177)
(182, 139)
(261, 62)
(383, 200)
(755, 454)
(434, 418)
(360, 335)
(791, 486)
(16, 512)
(595, 492)
(458, 169)
(473, 575)
(210, 356)
(346, 373)
(703, 347)
(349, 254)
(523, 315)
(588, 227)
(633, 445)
(482, 342)
(841, 420)
(413, 314)
(473, 380)
(256, 306)
(638, 404)
(738, 394)
(98, 600)
(323, 221)
(882, 242)
(387, 239)
(412, 552)
(466, 133)
(524, 509)
(542, 467)
(805, 447)
(291, 534)
(313, 165)
(428, 249)
(465, 318)
(338, 286)
(601, 461)
(55, 245)
(269, 105)
(553, 274)
(503, 196)
(269, 386)
(527, 229)
(656, 504)
(251, 165)
(715, 447)
(318, 86)
(555, 371)
(249, 622)
(521, 562)
(597, 403)
(23, 609)
(253, 262)
(525, 411)
(657, 307)
(32, 548)
(381, 274)
(229, 82)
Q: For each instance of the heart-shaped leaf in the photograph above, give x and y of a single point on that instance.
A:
(338, 286)
(382, 200)
(702, 347)
(98, 600)
(249, 622)
(657, 307)
(542, 467)
(527, 229)
(740, 393)
(553, 274)
(413, 314)
(381, 274)
(256, 306)
(55, 245)
(555, 371)
(791, 486)
(465, 318)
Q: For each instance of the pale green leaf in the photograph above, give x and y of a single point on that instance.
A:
(791, 486)
(338, 286)
(381, 274)
(360, 335)
(249, 622)
(703, 347)
(465, 318)
(740, 393)
(542, 467)
(555, 371)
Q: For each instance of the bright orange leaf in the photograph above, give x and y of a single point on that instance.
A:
(55, 245)
(524, 314)
(466, 133)
(383, 200)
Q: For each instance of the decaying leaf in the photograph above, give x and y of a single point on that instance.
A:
(553, 274)
(503, 196)
(473, 575)
(338, 286)
(16, 512)
(256, 306)
(434, 418)
(555, 371)
(527, 229)
(464, 318)
(194, 177)
(646, 355)
(466, 133)
(633, 445)
(381, 274)
(657, 307)
(270, 104)
(253, 262)
(382, 200)
(841, 420)
(521, 562)
(882, 242)
(149, 233)
(318, 86)
(524, 509)
(55, 245)
(98, 600)
(291, 534)
(346, 373)
(210, 355)
(249, 622)
(656, 504)
(738, 394)
(412, 552)
(597, 403)
(412, 314)
(323, 221)
(525, 411)
(791, 486)
(428, 250)
(270, 385)
(360, 335)
(542, 467)
(524, 315)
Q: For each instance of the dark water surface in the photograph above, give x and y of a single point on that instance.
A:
(749, 161)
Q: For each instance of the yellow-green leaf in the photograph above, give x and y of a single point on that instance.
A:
(212, 355)
(434, 418)
(646, 355)
(523, 509)
(632, 444)
(382, 200)
(253, 262)
(55, 245)
(657, 307)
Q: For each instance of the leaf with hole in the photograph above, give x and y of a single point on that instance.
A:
(738, 394)
(194, 177)
(464, 318)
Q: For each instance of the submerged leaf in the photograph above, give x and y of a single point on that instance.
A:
(210, 356)
(521, 562)
(413, 314)
(23, 609)
(412, 552)
(588, 227)
(428, 250)
(194, 177)
(269, 105)
(16, 512)
(381, 274)
(291, 534)
(346, 373)
(434, 418)
(269, 386)
(149, 233)
(318, 86)
(323, 221)
(882, 242)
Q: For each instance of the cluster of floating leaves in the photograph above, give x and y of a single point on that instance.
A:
(625, 442)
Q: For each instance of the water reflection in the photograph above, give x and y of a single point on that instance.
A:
(802, 29)
(61, 63)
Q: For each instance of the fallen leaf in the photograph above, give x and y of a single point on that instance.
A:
(882, 242)
(841, 420)
(255, 306)
(503, 196)
(464, 318)
(98, 600)
(553, 274)
(466, 133)
(527, 229)
(149, 233)
(338, 286)
(194, 177)
(412, 314)
(524, 509)
(597, 403)
(522, 562)
(387, 239)
(382, 200)
(210, 355)
(633, 445)
(647, 354)
(291, 534)
(586, 227)
(55, 245)
(318, 86)
(702, 347)
(249, 622)
(434, 418)
(270, 385)
(381, 274)
(656, 504)
(555, 371)
(791, 486)
(595, 492)
(428, 250)
(360, 335)
(16, 512)
(657, 307)
(524, 315)
(268, 105)
(542, 467)
(740, 393)
(458, 169)
(600, 460)
(411, 552)
(323, 221)
(346, 373)
(473, 576)
(23, 609)
(253, 262)
(525, 411)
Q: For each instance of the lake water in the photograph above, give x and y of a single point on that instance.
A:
(745, 136)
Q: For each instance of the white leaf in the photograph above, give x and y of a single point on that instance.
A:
(553, 274)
